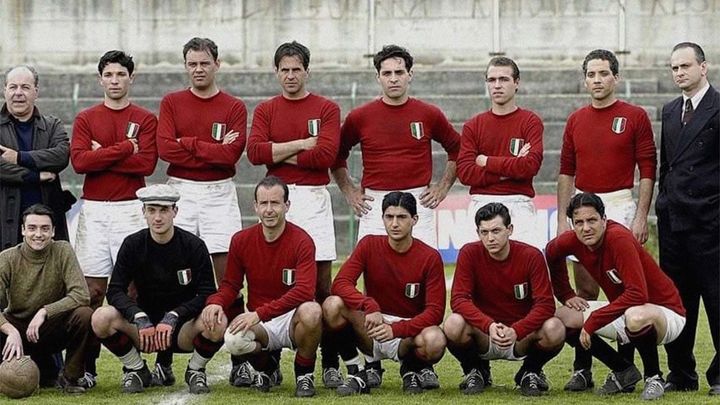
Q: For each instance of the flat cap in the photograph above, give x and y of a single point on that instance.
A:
(158, 194)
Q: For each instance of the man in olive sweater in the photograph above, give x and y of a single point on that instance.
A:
(55, 315)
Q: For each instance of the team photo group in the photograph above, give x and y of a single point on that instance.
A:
(167, 268)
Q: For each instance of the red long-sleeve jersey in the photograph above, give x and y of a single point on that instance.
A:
(500, 137)
(185, 135)
(113, 172)
(515, 291)
(280, 274)
(625, 271)
(395, 142)
(601, 147)
(281, 120)
(408, 285)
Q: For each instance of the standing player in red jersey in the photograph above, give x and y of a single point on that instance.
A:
(395, 134)
(644, 307)
(602, 145)
(296, 135)
(398, 316)
(201, 133)
(501, 150)
(502, 306)
(277, 260)
(113, 145)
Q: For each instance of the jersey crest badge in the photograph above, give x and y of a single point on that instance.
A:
(416, 130)
(412, 290)
(618, 125)
(314, 127)
(515, 145)
(184, 276)
(614, 276)
(218, 131)
(521, 291)
(131, 132)
(288, 277)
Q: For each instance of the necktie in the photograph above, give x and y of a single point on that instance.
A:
(688, 112)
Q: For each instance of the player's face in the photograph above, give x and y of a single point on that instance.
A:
(398, 223)
(394, 79)
(38, 231)
(687, 73)
(500, 84)
(270, 206)
(20, 92)
(495, 236)
(116, 80)
(292, 76)
(600, 80)
(201, 69)
(159, 218)
(589, 226)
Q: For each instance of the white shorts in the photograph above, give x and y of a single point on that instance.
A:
(523, 217)
(615, 330)
(278, 331)
(311, 210)
(389, 349)
(208, 209)
(372, 222)
(496, 352)
(102, 227)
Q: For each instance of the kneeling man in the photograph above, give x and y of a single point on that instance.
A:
(404, 301)
(502, 306)
(48, 300)
(173, 274)
(644, 306)
(277, 258)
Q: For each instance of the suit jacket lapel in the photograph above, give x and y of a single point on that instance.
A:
(687, 134)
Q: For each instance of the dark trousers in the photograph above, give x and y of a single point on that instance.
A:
(69, 331)
(692, 260)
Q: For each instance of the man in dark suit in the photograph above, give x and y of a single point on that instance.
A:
(688, 209)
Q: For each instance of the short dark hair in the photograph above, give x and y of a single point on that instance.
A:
(400, 199)
(602, 54)
(503, 61)
(201, 45)
(699, 53)
(118, 57)
(293, 48)
(393, 51)
(585, 200)
(33, 71)
(272, 181)
(492, 210)
(39, 209)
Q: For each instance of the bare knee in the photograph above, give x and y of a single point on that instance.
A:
(637, 318)
(102, 320)
(552, 333)
(331, 310)
(431, 344)
(310, 314)
(453, 327)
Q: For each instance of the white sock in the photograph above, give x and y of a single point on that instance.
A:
(197, 361)
(132, 360)
(355, 361)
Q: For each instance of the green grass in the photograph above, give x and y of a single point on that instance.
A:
(503, 392)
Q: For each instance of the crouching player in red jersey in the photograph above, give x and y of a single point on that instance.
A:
(398, 316)
(277, 258)
(644, 306)
(502, 306)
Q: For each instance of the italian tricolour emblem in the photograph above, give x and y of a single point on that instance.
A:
(184, 276)
(613, 276)
(416, 130)
(288, 277)
(314, 127)
(618, 125)
(515, 145)
(131, 132)
(521, 291)
(412, 290)
(218, 131)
